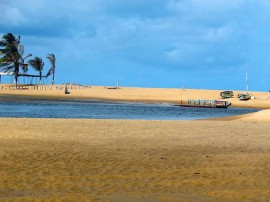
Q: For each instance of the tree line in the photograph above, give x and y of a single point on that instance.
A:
(12, 58)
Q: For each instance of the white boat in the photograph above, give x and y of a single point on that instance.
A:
(245, 96)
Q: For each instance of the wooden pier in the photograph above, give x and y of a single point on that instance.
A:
(205, 103)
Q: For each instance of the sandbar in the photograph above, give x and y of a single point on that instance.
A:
(153, 95)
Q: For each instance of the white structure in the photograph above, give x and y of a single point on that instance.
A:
(6, 74)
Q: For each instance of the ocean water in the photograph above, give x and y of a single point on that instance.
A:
(110, 110)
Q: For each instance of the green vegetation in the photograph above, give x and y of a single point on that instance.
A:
(11, 53)
(37, 65)
(12, 58)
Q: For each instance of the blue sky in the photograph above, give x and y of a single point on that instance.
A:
(208, 44)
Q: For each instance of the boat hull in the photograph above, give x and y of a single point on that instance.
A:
(194, 106)
(205, 104)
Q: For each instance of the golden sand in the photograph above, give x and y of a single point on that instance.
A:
(120, 160)
(116, 160)
(135, 94)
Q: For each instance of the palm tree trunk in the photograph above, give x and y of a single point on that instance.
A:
(53, 79)
(16, 78)
(16, 71)
(40, 75)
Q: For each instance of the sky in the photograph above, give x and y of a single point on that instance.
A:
(198, 44)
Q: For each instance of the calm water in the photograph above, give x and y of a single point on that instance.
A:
(103, 110)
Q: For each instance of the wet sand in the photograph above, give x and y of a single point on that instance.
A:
(119, 160)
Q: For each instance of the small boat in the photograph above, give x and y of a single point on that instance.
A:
(226, 94)
(244, 97)
(205, 103)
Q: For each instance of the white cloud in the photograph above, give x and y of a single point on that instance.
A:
(162, 34)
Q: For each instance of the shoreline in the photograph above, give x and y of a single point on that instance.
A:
(126, 94)
(22, 98)
(29, 98)
(8, 97)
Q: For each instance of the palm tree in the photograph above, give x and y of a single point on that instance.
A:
(12, 55)
(37, 65)
(52, 60)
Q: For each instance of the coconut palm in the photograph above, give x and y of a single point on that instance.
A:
(11, 52)
(52, 60)
(37, 65)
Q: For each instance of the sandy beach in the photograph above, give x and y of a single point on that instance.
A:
(154, 95)
(225, 159)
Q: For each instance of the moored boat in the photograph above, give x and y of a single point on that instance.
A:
(244, 97)
(226, 94)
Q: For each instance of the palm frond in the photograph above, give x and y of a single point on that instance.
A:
(12, 54)
(9, 68)
(4, 62)
(24, 67)
(21, 49)
(52, 60)
(48, 73)
(9, 38)
(36, 63)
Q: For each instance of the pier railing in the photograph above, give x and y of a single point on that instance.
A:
(205, 103)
